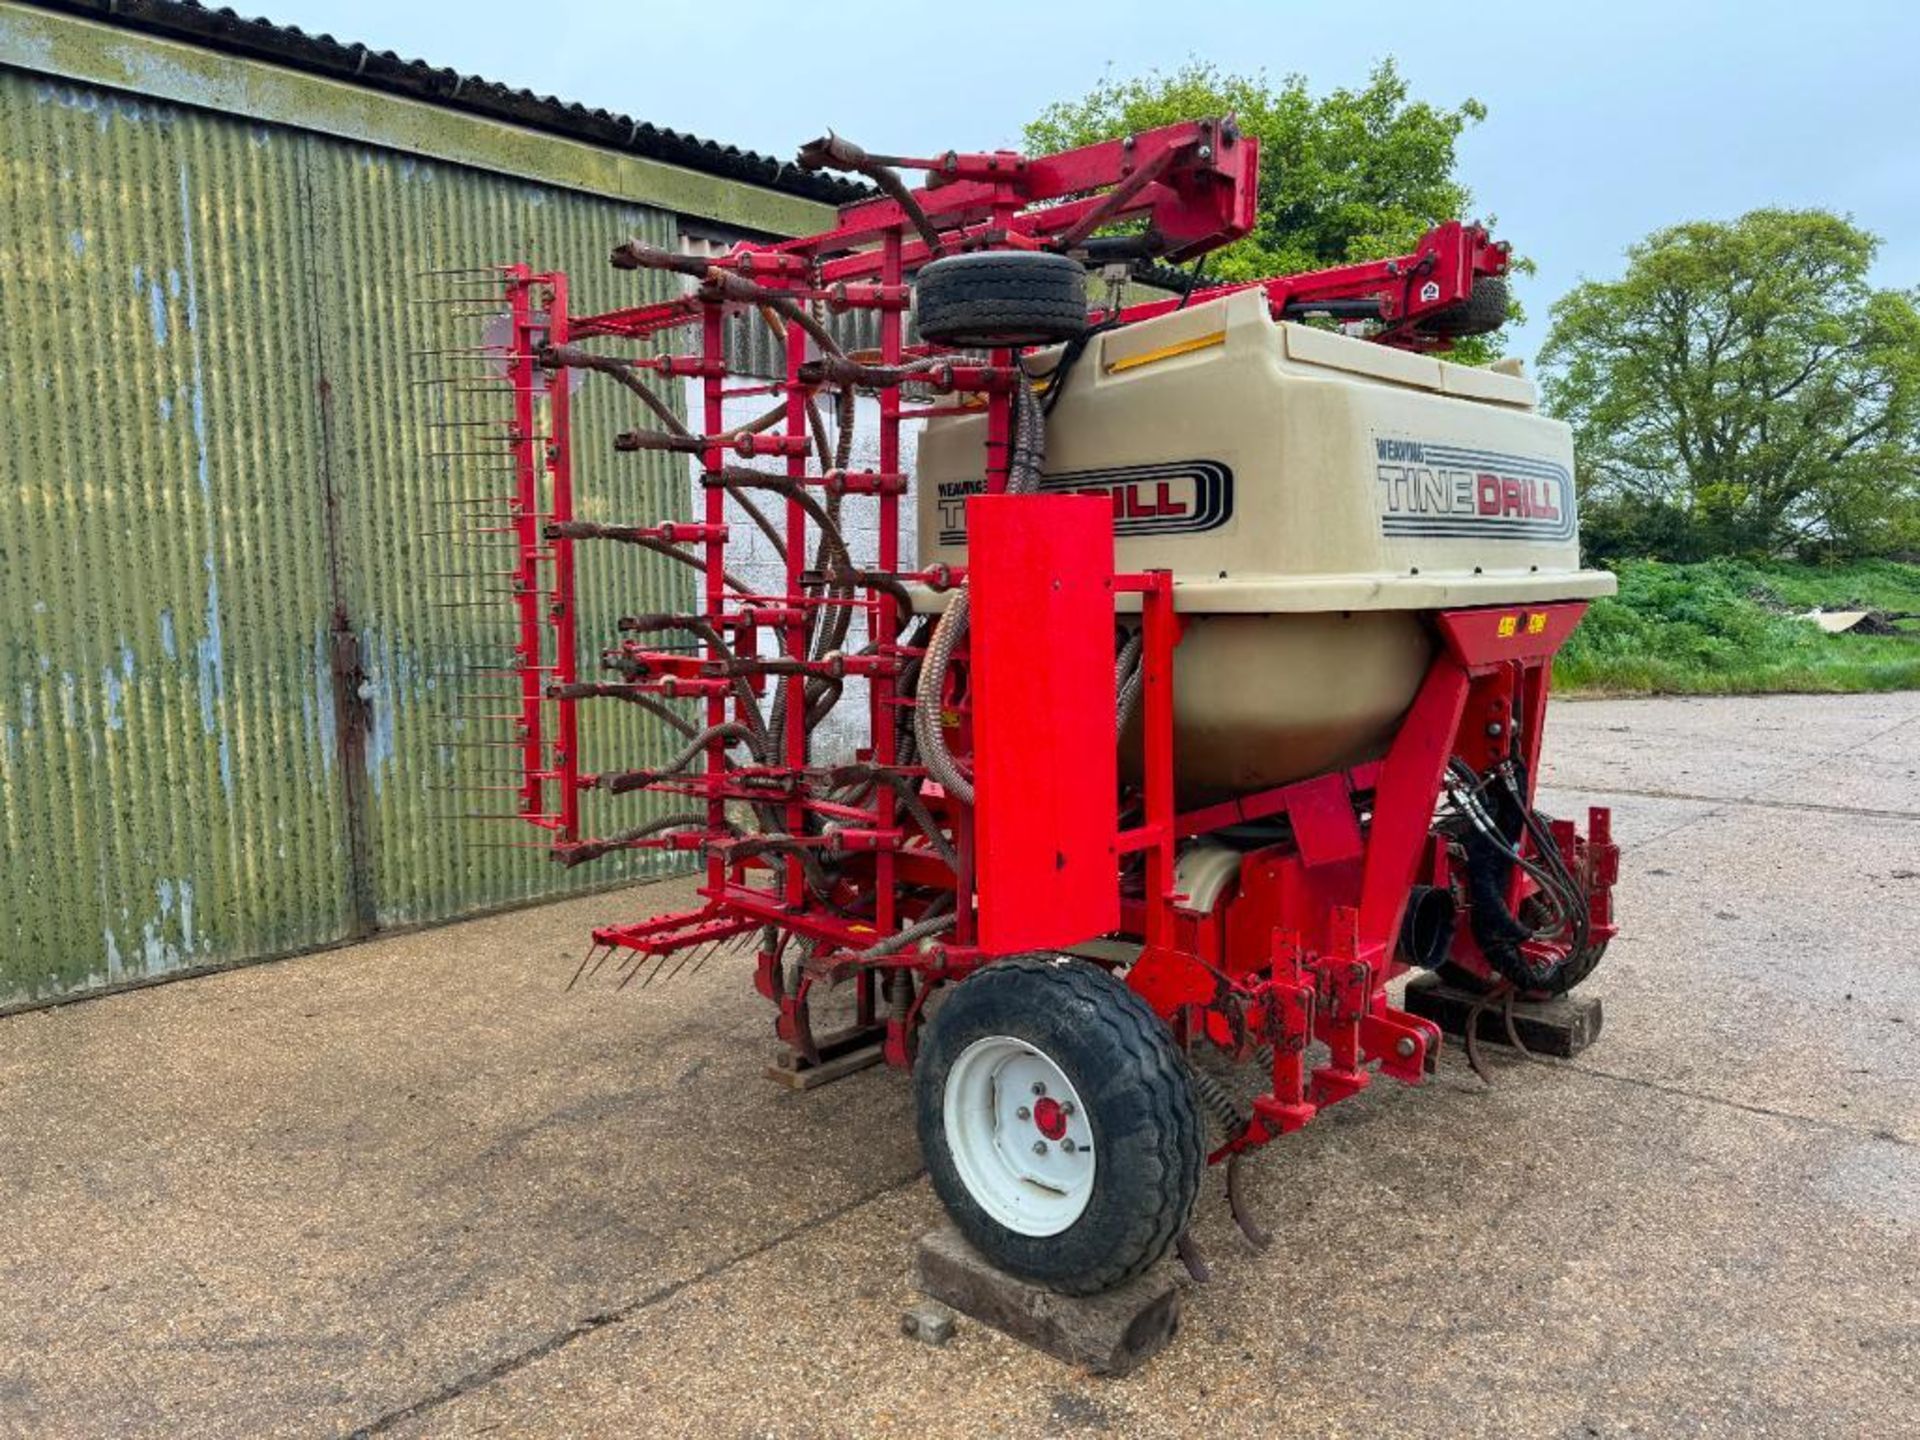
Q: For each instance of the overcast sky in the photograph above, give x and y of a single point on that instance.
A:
(1607, 118)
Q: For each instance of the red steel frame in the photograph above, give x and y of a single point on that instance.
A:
(1301, 947)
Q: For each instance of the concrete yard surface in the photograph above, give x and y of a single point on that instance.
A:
(418, 1187)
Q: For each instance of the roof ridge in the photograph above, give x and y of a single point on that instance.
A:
(359, 64)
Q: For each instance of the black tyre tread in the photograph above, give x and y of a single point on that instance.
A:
(1481, 313)
(1172, 1115)
(977, 301)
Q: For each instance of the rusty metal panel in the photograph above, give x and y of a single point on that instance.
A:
(215, 490)
(166, 745)
(426, 608)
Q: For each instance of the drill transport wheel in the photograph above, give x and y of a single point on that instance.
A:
(1058, 1122)
(977, 302)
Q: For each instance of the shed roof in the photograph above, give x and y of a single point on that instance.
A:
(356, 64)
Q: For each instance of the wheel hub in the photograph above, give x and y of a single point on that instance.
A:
(1019, 1136)
(1049, 1118)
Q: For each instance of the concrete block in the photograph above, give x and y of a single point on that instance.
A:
(929, 1322)
(1108, 1334)
(1563, 1026)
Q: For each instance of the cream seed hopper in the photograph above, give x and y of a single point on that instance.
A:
(1315, 496)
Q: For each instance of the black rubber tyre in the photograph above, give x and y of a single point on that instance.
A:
(1005, 297)
(1137, 1093)
(1481, 313)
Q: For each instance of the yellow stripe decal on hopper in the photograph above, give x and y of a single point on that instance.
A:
(1167, 352)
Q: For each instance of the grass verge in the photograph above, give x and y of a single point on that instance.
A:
(1731, 627)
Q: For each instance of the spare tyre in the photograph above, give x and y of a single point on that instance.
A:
(1001, 297)
(1481, 313)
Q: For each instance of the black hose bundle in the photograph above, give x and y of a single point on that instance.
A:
(1498, 819)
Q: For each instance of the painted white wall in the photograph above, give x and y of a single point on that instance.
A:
(752, 558)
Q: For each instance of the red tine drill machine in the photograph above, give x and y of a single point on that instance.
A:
(1211, 704)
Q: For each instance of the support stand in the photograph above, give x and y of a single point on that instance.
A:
(842, 1053)
(1108, 1334)
(1561, 1027)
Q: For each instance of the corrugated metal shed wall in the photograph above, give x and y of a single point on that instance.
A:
(379, 219)
(207, 327)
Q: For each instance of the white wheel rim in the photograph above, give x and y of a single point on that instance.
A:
(1019, 1136)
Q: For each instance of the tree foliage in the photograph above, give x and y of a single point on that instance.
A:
(1351, 175)
(1743, 390)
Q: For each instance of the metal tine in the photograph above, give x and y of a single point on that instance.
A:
(657, 969)
(660, 959)
(494, 270)
(731, 947)
(468, 424)
(491, 284)
(686, 955)
(606, 955)
(629, 962)
(581, 969)
(500, 350)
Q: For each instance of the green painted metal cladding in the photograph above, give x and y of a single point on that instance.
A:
(219, 452)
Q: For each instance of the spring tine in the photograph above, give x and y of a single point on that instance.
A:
(1193, 1257)
(1236, 1203)
(1474, 1062)
(493, 270)
(1513, 1029)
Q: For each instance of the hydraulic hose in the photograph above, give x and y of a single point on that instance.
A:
(1493, 851)
(1023, 478)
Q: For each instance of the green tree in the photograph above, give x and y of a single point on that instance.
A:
(1743, 389)
(1352, 175)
